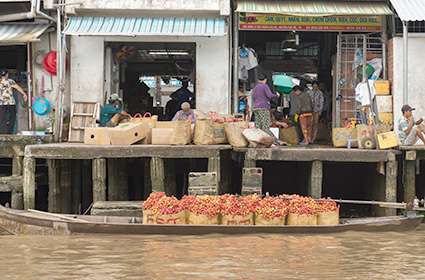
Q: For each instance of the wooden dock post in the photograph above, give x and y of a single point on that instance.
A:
(222, 166)
(17, 200)
(65, 186)
(86, 184)
(409, 176)
(391, 186)
(99, 179)
(163, 175)
(315, 179)
(147, 178)
(29, 182)
(117, 179)
(17, 163)
(76, 183)
(53, 167)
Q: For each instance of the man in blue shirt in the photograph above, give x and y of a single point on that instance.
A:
(410, 131)
(112, 114)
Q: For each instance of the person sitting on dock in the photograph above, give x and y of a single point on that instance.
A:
(112, 113)
(409, 130)
(186, 113)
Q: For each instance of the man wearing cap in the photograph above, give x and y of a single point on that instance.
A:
(8, 102)
(409, 130)
(112, 113)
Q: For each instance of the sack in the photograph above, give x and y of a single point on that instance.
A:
(208, 132)
(148, 217)
(261, 221)
(342, 135)
(234, 134)
(237, 220)
(195, 219)
(179, 132)
(150, 122)
(289, 135)
(328, 218)
(302, 220)
(258, 136)
(172, 219)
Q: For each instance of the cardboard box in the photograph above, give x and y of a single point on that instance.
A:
(387, 140)
(384, 103)
(382, 87)
(289, 135)
(341, 136)
(97, 136)
(127, 133)
(162, 136)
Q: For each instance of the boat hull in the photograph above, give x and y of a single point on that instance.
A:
(22, 222)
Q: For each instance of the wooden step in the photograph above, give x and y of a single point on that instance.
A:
(118, 208)
(11, 184)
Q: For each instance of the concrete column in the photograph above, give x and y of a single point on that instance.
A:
(29, 182)
(315, 180)
(99, 179)
(222, 166)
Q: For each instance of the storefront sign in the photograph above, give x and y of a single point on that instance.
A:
(274, 22)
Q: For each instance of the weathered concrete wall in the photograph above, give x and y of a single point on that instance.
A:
(416, 77)
(87, 69)
(212, 68)
(178, 6)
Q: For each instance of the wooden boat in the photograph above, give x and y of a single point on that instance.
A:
(37, 222)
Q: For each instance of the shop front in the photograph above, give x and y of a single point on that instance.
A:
(144, 59)
(332, 42)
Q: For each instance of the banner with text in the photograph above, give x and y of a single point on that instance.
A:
(274, 22)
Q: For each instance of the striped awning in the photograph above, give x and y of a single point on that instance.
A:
(136, 26)
(409, 10)
(313, 8)
(21, 32)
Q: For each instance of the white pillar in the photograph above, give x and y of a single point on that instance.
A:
(405, 62)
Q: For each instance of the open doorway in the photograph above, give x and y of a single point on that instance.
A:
(14, 59)
(305, 56)
(146, 75)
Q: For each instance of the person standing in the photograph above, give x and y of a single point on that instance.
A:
(317, 102)
(301, 106)
(262, 95)
(8, 102)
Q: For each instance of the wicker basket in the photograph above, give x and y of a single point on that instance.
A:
(302, 220)
(262, 221)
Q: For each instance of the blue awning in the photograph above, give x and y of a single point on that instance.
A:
(21, 32)
(137, 26)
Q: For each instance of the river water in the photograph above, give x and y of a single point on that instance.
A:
(348, 255)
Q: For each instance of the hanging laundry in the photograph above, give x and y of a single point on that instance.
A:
(362, 92)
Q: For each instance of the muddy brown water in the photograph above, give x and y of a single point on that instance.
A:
(350, 255)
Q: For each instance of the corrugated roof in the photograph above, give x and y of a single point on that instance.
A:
(314, 8)
(21, 32)
(409, 10)
(136, 26)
